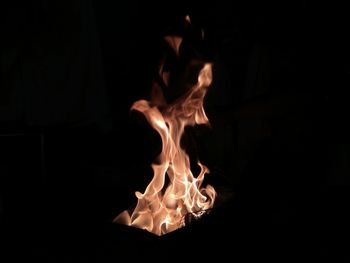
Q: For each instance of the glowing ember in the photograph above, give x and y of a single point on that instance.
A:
(162, 208)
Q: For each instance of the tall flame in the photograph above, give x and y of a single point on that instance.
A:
(162, 208)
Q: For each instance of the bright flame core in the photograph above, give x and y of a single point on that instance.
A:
(160, 211)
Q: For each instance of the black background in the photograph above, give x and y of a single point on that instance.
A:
(72, 154)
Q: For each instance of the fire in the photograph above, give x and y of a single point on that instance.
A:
(162, 208)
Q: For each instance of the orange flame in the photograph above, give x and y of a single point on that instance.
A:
(161, 211)
(174, 42)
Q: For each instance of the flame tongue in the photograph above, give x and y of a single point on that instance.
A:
(160, 211)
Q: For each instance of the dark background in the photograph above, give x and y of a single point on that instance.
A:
(72, 155)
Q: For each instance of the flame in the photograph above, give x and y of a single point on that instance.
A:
(162, 208)
(174, 42)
